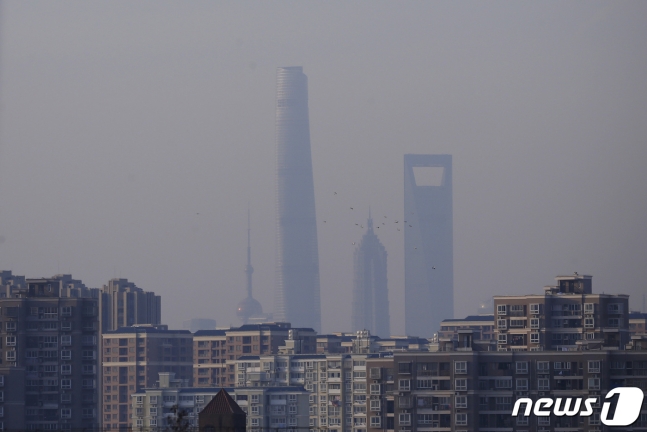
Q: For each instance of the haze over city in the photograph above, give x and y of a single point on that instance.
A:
(134, 137)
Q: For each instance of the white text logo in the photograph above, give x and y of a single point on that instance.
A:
(627, 407)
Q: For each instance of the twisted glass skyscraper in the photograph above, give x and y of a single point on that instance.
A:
(297, 268)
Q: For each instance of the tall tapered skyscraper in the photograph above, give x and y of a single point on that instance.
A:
(370, 293)
(297, 268)
(428, 243)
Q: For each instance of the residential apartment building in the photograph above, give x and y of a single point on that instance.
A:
(637, 323)
(132, 359)
(215, 350)
(48, 357)
(565, 317)
(337, 384)
(481, 325)
(123, 304)
(266, 407)
(466, 390)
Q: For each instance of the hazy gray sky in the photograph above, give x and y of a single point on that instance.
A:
(134, 136)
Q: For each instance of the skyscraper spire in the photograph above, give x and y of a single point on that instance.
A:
(370, 291)
(249, 307)
(249, 269)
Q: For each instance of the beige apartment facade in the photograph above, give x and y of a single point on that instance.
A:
(215, 351)
(565, 317)
(132, 359)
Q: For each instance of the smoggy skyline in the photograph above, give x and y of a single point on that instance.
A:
(135, 136)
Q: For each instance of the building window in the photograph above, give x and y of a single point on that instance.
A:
(594, 419)
(66, 413)
(375, 389)
(502, 338)
(522, 384)
(614, 308)
(404, 419)
(589, 308)
(461, 401)
(11, 340)
(534, 337)
(503, 383)
(460, 367)
(543, 384)
(460, 384)
(404, 384)
(66, 369)
(594, 366)
(522, 367)
(614, 322)
(589, 322)
(501, 324)
(461, 419)
(543, 367)
(376, 422)
(534, 323)
(404, 367)
(594, 383)
(501, 309)
(534, 308)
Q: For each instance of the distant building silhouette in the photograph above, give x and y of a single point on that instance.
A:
(370, 292)
(249, 307)
(297, 269)
(428, 243)
(196, 324)
(123, 304)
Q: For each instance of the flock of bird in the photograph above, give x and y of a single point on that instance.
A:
(383, 224)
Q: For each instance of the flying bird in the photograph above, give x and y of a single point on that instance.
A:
(351, 208)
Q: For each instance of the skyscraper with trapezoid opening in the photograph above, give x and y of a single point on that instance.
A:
(297, 268)
(428, 243)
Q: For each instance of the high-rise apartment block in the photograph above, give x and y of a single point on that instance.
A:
(370, 291)
(266, 408)
(428, 243)
(132, 359)
(467, 390)
(337, 384)
(297, 298)
(48, 357)
(568, 316)
(123, 304)
(481, 325)
(215, 351)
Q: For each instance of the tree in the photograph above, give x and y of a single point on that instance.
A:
(179, 422)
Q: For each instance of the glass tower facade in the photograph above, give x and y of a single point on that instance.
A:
(297, 269)
(428, 243)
